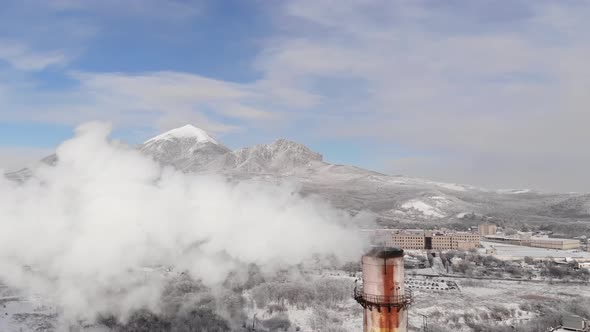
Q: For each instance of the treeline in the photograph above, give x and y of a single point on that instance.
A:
(489, 266)
(185, 303)
(328, 292)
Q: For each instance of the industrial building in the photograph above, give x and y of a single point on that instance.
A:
(435, 240)
(538, 242)
(552, 243)
(486, 229)
(406, 240)
(464, 240)
(573, 323)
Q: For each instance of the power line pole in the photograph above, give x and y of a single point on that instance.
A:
(424, 322)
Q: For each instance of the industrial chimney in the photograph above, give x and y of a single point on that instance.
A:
(382, 293)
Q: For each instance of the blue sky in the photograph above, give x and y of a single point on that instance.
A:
(480, 92)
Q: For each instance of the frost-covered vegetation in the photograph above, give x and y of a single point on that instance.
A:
(318, 297)
(499, 306)
(497, 295)
(490, 266)
(185, 304)
(327, 292)
(476, 265)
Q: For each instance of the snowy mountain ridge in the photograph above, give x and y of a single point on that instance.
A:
(191, 149)
(392, 199)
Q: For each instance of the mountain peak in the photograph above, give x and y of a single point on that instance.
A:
(278, 156)
(187, 131)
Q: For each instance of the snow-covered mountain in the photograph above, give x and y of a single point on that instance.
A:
(26, 172)
(191, 149)
(393, 199)
(187, 148)
(279, 156)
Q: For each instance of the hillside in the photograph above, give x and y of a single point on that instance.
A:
(393, 200)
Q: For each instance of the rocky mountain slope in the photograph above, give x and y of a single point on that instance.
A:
(191, 149)
(394, 200)
(187, 148)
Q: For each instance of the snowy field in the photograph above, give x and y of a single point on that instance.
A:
(508, 250)
(21, 312)
(486, 302)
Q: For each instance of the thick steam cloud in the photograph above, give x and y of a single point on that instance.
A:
(81, 231)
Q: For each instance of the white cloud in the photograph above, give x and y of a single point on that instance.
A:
(507, 82)
(22, 57)
(160, 88)
(160, 100)
(473, 83)
(166, 96)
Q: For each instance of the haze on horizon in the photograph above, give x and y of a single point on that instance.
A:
(482, 93)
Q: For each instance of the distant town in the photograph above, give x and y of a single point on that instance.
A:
(445, 239)
(486, 259)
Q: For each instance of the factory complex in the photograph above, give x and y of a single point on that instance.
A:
(537, 242)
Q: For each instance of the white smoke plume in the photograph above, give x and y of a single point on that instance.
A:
(79, 231)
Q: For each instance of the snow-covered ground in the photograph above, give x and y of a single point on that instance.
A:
(480, 300)
(21, 312)
(345, 315)
(423, 208)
